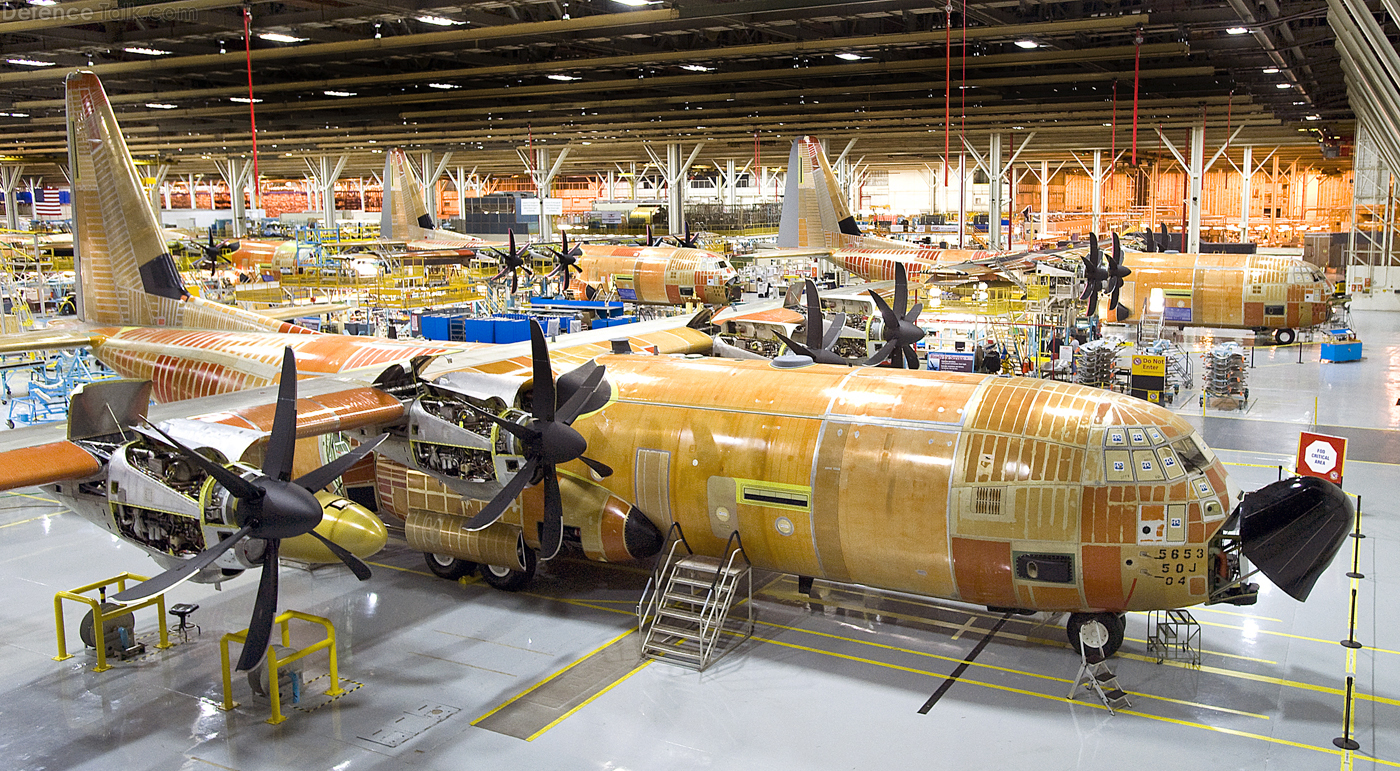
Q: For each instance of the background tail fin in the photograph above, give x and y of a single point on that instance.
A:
(815, 212)
(404, 216)
(125, 274)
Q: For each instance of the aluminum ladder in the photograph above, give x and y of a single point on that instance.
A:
(684, 613)
(1095, 675)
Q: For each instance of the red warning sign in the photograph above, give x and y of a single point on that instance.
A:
(1322, 456)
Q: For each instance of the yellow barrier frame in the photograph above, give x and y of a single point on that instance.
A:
(99, 619)
(274, 692)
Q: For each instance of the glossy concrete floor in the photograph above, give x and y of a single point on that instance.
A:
(833, 683)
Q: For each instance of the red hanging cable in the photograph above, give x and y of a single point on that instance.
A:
(947, 84)
(962, 128)
(1137, 69)
(1229, 108)
(252, 116)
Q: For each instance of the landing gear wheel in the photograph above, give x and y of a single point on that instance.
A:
(1115, 623)
(445, 566)
(508, 580)
(1285, 336)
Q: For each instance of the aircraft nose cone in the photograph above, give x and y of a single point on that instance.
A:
(1292, 529)
(347, 524)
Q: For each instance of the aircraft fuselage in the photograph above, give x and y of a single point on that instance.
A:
(658, 275)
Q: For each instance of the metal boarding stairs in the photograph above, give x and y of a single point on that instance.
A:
(1094, 672)
(1150, 323)
(684, 613)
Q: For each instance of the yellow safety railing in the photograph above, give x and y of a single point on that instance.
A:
(273, 662)
(99, 618)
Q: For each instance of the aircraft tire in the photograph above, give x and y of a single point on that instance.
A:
(1115, 623)
(451, 568)
(508, 580)
(1285, 336)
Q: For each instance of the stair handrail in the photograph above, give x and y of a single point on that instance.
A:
(711, 607)
(652, 591)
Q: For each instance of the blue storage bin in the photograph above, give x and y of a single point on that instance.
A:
(436, 327)
(511, 330)
(478, 331)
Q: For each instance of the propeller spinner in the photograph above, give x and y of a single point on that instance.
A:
(818, 346)
(512, 261)
(270, 506)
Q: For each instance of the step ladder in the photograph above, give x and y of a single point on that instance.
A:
(1094, 672)
(1150, 324)
(684, 614)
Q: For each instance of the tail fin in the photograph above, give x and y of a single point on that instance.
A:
(404, 216)
(125, 275)
(813, 197)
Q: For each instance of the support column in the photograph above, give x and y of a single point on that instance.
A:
(34, 184)
(994, 193)
(542, 174)
(9, 182)
(1097, 216)
(236, 173)
(1044, 200)
(157, 182)
(673, 171)
(430, 173)
(1246, 176)
(962, 200)
(325, 171)
(1193, 211)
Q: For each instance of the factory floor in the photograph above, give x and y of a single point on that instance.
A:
(449, 675)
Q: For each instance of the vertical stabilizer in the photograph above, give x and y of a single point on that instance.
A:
(815, 212)
(125, 274)
(405, 216)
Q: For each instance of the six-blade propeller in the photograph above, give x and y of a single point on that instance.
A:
(900, 332)
(270, 506)
(566, 259)
(818, 346)
(512, 261)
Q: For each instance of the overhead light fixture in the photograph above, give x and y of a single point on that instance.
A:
(278, 37)
(244, 100)
(697, 68)
(1236, 31)
(850, 57)
(440, 21)
(1270, 70)
(635, 3)
(43, 2)
(14, 115)
(443, 86)
(338, 93)
(145, 51)
(1027, 43)
(1283, 85)
(1313, 117)
(159, 106)
(30, 62)
(563, 77)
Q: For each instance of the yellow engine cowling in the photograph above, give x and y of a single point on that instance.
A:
(499, 544)
(343, 522)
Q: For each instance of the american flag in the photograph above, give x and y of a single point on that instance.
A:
(48, 204)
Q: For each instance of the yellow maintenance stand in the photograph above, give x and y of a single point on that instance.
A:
(274, 662)
(100, 617)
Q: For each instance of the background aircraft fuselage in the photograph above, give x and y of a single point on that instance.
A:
(1250, 291)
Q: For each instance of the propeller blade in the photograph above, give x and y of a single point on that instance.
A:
(264, 610)
(1093, 306)
(793, 346)
(901, 287)
(884, 352)
(281, 445)
(580, 397)
(886, 313)
(514, 286)
(911, 358)
(330, 472)
(552, 534)
(913, 314)
(184, 572)
(650, 240)
(521, 432)
(356, 565)
(600, 468)
(838, 323)
(814, 316)
(497, 506)
(566, 278)
(1094, 255)
(543, 405)
(241, 488)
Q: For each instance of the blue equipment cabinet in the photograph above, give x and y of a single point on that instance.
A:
(1341, 345)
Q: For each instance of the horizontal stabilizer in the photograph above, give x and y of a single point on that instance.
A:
(44, 340)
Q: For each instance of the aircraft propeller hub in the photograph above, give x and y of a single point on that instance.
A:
(285, 510)
(560, 443)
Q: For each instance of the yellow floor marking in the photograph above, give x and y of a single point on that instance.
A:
(589, 700)
(996, 668)
(532, 688)
(1009, 689)
(1285, 455)
(472, 580)
(1261, 678)
(31, 519)
(1234, 613)
(43, 498)
(1291, 636)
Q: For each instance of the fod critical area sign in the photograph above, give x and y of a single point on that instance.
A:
(1320, 455)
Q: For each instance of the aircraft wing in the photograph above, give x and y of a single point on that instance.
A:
(290, 312)
(42, 454)
(44, 340)
(795, 252)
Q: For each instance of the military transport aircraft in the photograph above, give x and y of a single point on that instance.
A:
(1018, 494)
(655, 275)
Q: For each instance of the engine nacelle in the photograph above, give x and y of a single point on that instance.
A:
(501, 544)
